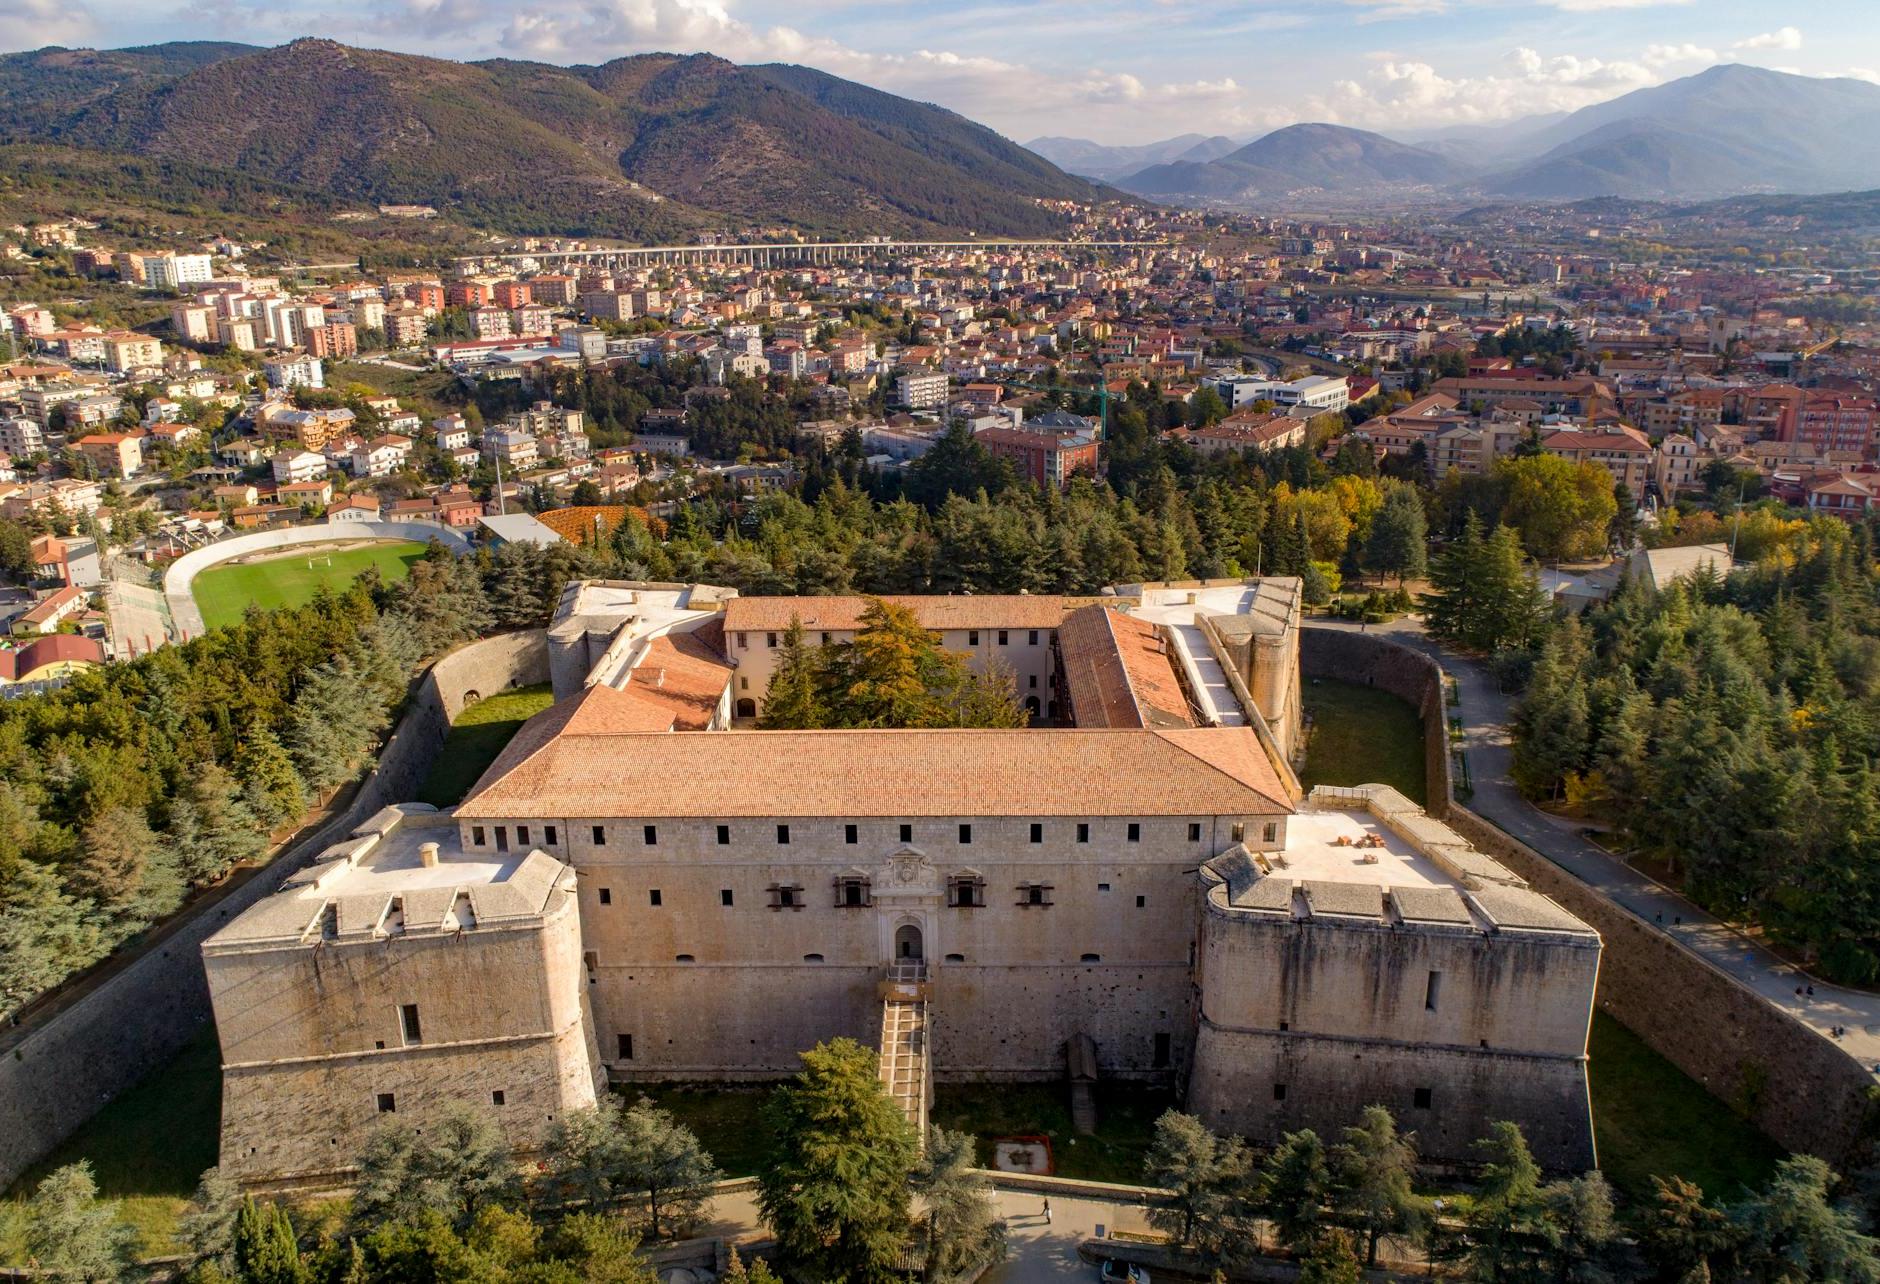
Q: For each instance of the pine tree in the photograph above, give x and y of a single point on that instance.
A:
(662, 1159)
(115, 848)
(1398, 535)
(265, 1249)
(1505, 1219)
(793, 701)
(270, 785)
(963, 1225)
(1514, 606)
(1208, 1179)
(1454, 604)
(208, 1228)
(1294, 1184)
(1375, 1167)
(45, 934)
(835, 1187)
(71, 1234)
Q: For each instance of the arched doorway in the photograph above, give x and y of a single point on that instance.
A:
(747, 708)
(907, 944)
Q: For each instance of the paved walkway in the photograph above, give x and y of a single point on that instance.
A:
(1486, 715)
(1037, 1252)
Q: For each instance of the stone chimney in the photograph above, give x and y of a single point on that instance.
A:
(427, 855)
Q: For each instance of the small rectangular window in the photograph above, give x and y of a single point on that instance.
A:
(724, 835)
(1279, 1092)
(502, 838)
(408, 1017)
(966, 833)
(388, 1103)
(600, 835)
(744, 684)
(1422, 1100)
(972, 637)
(1034, 682)
(783, 835)
(966, 892)
(652, 896)
(1163, 1050)
(625, 1046)
(550, 836)
(825, 637)
(496, 1097)
(1194, 831)
(724, 896)
(522, 835)
(1103, 887)
(744, 641)
(1238, 833)
(1135, 832)
(1083, 832)
(1001, 637)
(1432, 990)
(476, 835)
(770, 640)
(1037, 832)
(651, 834)
(607, 896)
(1271, 833)
(1034, 637)
(907, 833)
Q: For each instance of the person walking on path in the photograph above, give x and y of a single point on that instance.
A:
(1047, 1210)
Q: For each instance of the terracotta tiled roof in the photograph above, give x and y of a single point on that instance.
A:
(592, 761)
(683, 677)
(1117, 672)
(961, 611)
(586, 523)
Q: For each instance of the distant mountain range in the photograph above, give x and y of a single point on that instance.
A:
(652, 146)
(1730, 130)
(1095, 160)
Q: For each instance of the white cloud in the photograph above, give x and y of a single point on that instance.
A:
(33, 24)
(1780, 38)
(1405, 94)
(1668, 55)
(1590, 6)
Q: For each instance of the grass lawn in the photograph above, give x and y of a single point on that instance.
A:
(1362, 736)
(475, 739)
(225, 592)
(725, 1118)
(1126, 1115)
(1650, 1119)
(149, 1146)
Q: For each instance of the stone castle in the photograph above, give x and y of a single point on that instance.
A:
(643, 887)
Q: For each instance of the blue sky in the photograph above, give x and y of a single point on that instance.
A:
(1112, 70)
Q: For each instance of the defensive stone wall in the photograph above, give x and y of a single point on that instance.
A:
(1371, 660)
(56, 1073)
(1797, 1086)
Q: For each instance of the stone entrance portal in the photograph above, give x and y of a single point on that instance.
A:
(907, 944)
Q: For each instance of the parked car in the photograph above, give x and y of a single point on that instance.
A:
(1112, 1271)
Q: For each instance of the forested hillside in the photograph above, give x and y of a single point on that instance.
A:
(1732, 728)
(655, 147)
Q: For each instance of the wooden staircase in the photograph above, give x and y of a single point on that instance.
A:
(905, 1067)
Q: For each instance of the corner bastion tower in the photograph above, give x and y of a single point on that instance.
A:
(1136, 882)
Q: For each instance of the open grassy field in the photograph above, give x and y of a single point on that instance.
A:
(476, 737)
(1126, 1115)
(225, 592)
(148, 1147)
(1650, 1119)
(1362, 736)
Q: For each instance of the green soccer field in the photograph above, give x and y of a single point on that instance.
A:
(224, 593)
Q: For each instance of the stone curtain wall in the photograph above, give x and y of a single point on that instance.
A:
(55, 1074)
(1370, 660)
(1797, 1086)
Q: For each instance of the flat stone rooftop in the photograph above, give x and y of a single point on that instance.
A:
(1313, 853)
(377, 883)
